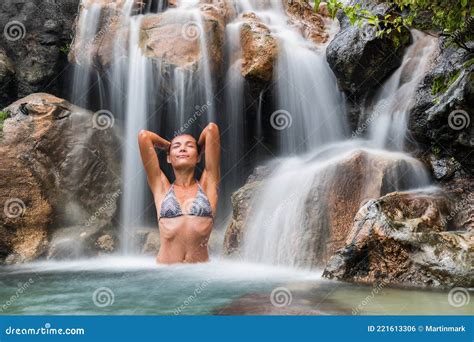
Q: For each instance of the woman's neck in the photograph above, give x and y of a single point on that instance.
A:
(184, 179)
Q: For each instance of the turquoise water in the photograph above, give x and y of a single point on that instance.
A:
(137, 286)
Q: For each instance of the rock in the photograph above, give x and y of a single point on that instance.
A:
(337, 192)
(109, 39)
(7, 78)
(170, 37)
(175, 39)
(359, 59)
(241, 201)
(323, 9)
(311, 24)
(461, 192)
(401, 239)
(443, 168)
(105, 243)
(226, 7)
(259, 49)
(66, 170)
(34, 36)
(442, 116)
(152, 243)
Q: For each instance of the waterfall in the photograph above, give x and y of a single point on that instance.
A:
(135, 119)
(280, 229)
(388, 114)
(290, 220)
(310, 108)
(146, 91)
(141, 93)
(88, 26)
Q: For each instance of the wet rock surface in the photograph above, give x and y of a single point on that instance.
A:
(336, 194)
(35, 37)
(359, 59)
(401, 239)
(62, 170)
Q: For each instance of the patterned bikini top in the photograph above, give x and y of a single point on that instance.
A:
(199, 206)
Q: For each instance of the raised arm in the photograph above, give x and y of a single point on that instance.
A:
(210, 143)
(157, 180)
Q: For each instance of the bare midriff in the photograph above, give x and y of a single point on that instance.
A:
(184, 239)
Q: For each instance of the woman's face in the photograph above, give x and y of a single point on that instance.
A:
(183, 152)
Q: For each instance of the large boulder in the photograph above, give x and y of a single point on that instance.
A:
(25, 213)
(35, 36)
(359, 59)
(336, 193)
(259, 49)
(173, 37)
(64, 170)
(442, 117)
(97, 46)
(401, 239)
(226, 7)
(176, 39)
(311, 24)
(7, 78)
(241, 204)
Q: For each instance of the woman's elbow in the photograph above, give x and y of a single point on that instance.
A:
(213, 128)
(142, 135)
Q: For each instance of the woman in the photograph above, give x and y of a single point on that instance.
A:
(186, 208)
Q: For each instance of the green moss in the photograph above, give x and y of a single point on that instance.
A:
(3, 116)
(65, 49)
(436, 150)
(468, 63)
(443, 82)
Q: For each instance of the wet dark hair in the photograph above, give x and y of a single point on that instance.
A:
(197, 145)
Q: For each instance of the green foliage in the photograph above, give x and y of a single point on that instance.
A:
(436, 150)
(468, 63)
(3, 116)
(65, 49)
(443, 82)
(453, 18)
(316, 5)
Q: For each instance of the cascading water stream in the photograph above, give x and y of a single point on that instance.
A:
(309, 118)
(392, 103)
(143, 93)
(88, 24)
(279, 230)
(135, 119)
